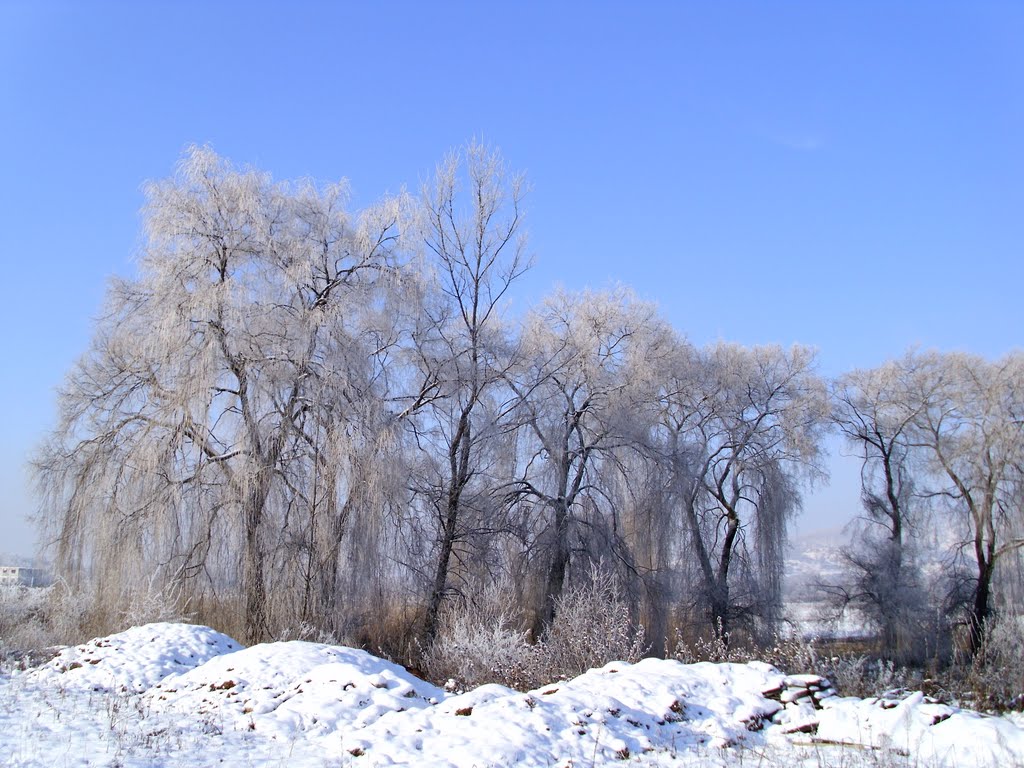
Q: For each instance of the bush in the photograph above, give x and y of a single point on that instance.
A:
(994, 679)
(789, 654)
(592, 627)
(717, 649)
(159, 602)
(484, 647)
(863, 676)
(34, 619)
(23, 618)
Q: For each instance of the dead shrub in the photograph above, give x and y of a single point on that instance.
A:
(490, 643)
(592, 627)
(485, 644)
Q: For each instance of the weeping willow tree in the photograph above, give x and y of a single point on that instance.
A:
(588, 368)
(227, 393)
(778, 500)
(741, 427)
(968, 428)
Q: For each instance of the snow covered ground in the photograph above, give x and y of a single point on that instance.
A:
(182, 695)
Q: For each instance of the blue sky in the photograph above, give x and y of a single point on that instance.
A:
(846, 175)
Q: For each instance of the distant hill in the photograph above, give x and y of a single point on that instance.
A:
(814, 558)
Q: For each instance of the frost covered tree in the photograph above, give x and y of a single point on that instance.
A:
(222, 383)
(875, 412)
(943, 430)
(473, 231)
(584, 385)
(741, 427)
(969, 427)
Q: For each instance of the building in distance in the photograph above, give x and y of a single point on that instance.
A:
(21, 576)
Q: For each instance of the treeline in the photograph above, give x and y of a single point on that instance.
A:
(941, 438)
(301, 416)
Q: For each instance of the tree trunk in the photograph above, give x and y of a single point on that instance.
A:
(710, 583)
(257, 626)
(441, 571)
(720, 597)
(981, 606)
(458, 457)
(555, 581)
(719, 609)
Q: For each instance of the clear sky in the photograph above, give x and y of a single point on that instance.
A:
(846, 175)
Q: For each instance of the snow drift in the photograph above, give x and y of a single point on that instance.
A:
(174, 694)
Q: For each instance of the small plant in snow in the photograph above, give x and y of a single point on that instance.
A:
(33, 619)
(592, 627)
(716, 649)
(159, 602)
(788, 654)
(309, 632)
(791, 655)
(864, 676)
(994, 678)
(482, 646)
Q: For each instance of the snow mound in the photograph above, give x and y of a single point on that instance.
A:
(134, 660)
(284, 688)
(180, 695)
(933, 733)
(613, 713)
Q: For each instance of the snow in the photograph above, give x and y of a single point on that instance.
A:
(182, 695)
(136, 659)
(606, 714)
(284, 688)
(934, 733)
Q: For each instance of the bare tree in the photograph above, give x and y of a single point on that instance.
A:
(187, 422)
(970, 427)
(875, 412)
(741, 427)
(473, 229)
(588, 373)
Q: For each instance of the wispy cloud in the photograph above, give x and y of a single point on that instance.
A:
(800, 142)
